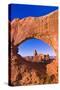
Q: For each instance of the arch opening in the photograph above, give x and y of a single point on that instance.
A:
(35, 48)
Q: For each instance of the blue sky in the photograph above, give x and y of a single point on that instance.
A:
(21, 11)
(27, 48)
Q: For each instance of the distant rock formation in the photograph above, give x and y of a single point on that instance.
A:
(35, 53)
(46, 57)
(28, 58)
(40, 57)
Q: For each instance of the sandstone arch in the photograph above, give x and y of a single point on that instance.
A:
(44, 28)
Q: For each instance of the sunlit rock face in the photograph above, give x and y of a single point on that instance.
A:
(44, 28)
(24, 72)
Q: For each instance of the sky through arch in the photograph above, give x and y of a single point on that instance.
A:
(27, 48)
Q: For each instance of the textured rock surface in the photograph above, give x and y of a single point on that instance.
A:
(24, 72)
(44, 28)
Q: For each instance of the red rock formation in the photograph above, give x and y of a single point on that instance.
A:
(44, 28)
(35, 53)
(23, 72)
